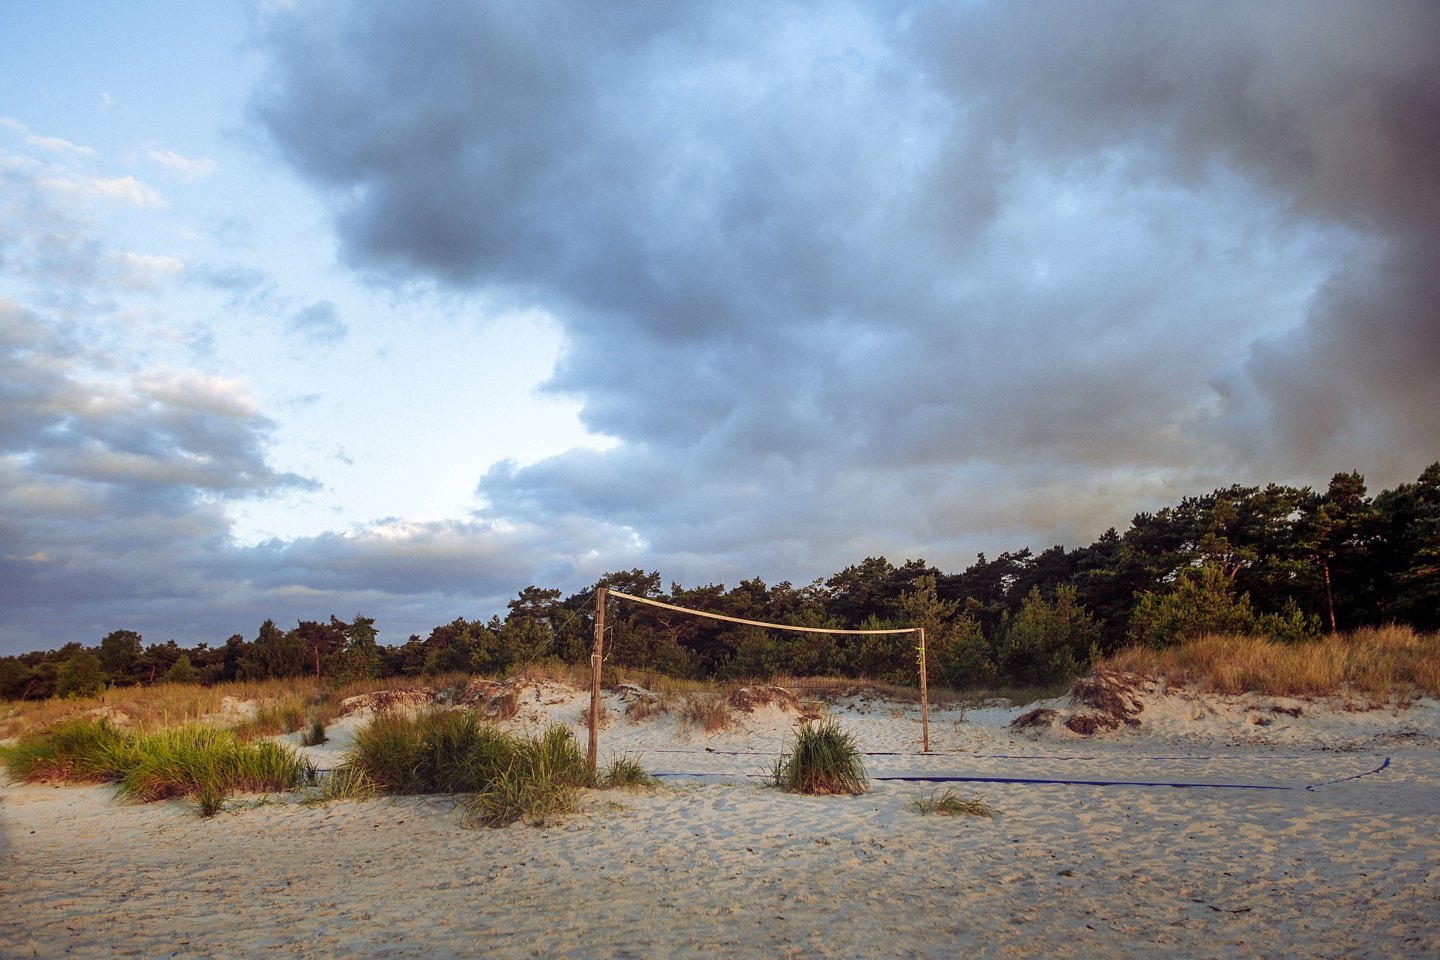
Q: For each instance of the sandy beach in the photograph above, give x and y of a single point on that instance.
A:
(1312, 835)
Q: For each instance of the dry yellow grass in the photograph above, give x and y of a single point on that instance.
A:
(1376, 662)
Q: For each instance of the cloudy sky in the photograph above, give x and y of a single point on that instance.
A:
(325, 307)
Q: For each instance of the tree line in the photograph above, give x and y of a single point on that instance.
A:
(1285, 562)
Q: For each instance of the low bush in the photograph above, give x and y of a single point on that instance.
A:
(823, 759)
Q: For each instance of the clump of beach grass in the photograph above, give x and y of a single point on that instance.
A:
(207, 763)
(947, 803)
(343, 783)
(274, 719)
(81, 751)
(626, 773)
(188, 761)
(709, 712)
(510, 777)
(209, 802)
(315, 735)
(647, 706)
(824, 759)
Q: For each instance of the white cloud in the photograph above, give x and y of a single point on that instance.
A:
(59, 145)
(184, 167)
(126, 189)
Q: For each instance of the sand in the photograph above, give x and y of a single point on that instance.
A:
(715, 864)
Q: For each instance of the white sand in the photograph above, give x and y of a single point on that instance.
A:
(721, 866)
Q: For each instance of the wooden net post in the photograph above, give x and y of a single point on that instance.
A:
(924, 695)
(596, 658)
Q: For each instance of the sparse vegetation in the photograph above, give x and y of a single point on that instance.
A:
(947, 803)
(710, 712)
(824, 759)
(346, 783)
(315, 735)
(1378, 663)
(626, 772)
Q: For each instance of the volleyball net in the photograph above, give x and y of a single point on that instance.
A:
(598, 656)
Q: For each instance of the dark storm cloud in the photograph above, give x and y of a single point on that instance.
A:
(111, 485)
(1333, 108)
(906, 276)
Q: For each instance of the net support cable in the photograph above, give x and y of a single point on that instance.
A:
(597, 657)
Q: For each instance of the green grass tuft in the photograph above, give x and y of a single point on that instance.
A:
(210, 801)
(452, 751)
(824, 759)
(948, 804)
(82, 751)
(315, 735)
(187, 761)
(344, 783)
(204, 762)
(625, 772)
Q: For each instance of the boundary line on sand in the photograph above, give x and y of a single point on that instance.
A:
(1031, 781)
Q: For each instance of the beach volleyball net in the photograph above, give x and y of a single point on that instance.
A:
(597, 657)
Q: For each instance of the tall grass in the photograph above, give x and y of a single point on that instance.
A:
(1377, 662)
(511, 777)
(823, 759)
(709, 712)
(83, 751)
(192, 761)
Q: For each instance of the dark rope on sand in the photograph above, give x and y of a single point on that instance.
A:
(1031, 781)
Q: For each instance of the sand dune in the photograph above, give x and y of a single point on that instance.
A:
(1289, 859)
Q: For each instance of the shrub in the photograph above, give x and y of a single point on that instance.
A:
(1048, 641)
(823, 759)
(1202, 601)
(181, 671)
(80, 676)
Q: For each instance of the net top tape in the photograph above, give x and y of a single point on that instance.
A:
(752, 623)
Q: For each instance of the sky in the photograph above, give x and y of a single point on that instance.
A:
(313, 308)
